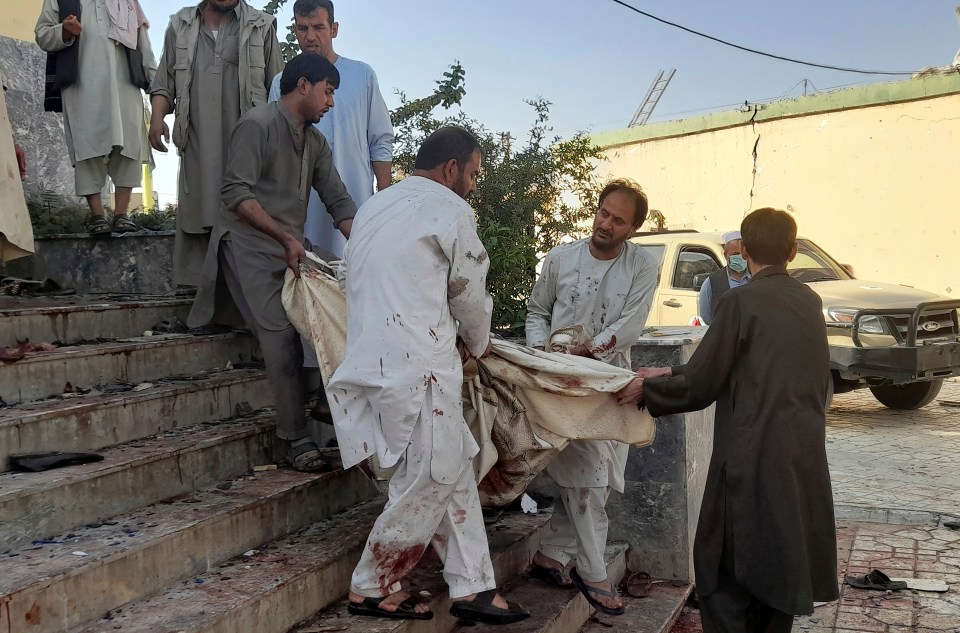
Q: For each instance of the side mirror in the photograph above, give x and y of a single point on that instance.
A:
(849, 269)
(698, 280)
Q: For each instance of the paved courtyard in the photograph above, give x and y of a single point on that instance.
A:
(904, 461)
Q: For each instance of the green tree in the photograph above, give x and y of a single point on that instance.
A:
(529, 196)
(288, 47)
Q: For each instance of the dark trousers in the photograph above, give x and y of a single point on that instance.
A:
(282, 354)
(732, 609)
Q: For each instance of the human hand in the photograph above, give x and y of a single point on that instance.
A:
(71, 28)
(21, 161)
(159, 132)
(654, 372)
(294, 254)
(632, 393)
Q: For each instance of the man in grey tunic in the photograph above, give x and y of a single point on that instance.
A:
(102, 108)
(275, 155)
(217, 63)
(604, 284)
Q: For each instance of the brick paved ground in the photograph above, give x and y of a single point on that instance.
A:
(891, 466)
(880, 458)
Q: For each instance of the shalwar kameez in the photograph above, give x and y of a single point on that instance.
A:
(416, 280)
(274, 161)
(611, 300)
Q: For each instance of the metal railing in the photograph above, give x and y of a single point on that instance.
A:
(914, 315)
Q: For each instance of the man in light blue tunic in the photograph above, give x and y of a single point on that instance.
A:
(358, 129)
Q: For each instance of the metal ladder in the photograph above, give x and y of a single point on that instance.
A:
(653, 97)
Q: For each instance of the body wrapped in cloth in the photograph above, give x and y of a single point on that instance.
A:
(522, 405)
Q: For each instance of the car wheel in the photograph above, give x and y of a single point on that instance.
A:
(909, 396)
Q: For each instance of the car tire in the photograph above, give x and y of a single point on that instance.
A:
(909, 396)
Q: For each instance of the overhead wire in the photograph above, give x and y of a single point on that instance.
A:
(759, 52)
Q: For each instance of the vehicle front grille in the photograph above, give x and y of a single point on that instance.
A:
(933, 326)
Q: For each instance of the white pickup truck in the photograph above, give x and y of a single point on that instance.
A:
(898, 341)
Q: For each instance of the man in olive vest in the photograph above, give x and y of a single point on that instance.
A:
(732, 275)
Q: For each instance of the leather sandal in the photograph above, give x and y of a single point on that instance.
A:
(551, 576)
(97, 225)
(481, 609)
(404, 610)
(123, 224)
(307, 458)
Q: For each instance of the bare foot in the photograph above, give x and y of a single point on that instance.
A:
(391, 602)
(612, 602)
(542, 560)
(497, 601)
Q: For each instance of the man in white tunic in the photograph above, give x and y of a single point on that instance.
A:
(604, 284)
(100, 46)
(416, 293)
(358, 129)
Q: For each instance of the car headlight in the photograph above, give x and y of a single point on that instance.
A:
(844, 316)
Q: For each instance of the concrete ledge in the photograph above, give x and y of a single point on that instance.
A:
(69, 320)
(44, 374)
(140, 262)
(36, 505)
(173, 540)
(92, 422)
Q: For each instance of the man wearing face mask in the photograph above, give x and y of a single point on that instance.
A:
(732, 275)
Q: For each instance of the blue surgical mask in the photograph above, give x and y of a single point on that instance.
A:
(737, 263)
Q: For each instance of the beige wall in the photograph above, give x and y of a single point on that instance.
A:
(18, 17)
(878, 187)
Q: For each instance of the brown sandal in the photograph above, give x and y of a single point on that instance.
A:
(97, 225)
(123, 224)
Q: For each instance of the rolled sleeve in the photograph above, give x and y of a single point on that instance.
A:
(379, 127)
(244, 163)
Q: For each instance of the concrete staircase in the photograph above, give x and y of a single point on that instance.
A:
(175, 530)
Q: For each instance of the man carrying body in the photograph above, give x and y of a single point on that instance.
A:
(275, 155)
(218, 60)
(97, 45)
(733, 275)
(766, 545)
(358, 130)
(605, 284)
(416, 293)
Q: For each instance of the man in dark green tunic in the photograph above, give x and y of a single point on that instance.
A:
(766, 544)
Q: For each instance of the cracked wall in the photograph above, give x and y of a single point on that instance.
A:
(876, 186)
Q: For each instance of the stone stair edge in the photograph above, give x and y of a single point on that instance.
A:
(15, 414)
(257, 606)
(123, 345)
(174, 538)
(96, 305)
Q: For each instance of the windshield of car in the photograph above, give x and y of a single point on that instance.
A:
(654, 253)
(813, 264)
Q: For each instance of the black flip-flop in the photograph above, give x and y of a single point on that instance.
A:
(551, 576)
(482, 610)
(876, 580)
(587, 590)
(404, 611)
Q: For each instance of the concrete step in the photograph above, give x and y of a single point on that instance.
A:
(291, 578)
(71, 319)
(554, 610)
(513, 542)
(138, 554)
(133, 475)
(96, 420)
(44, 374)
(655, 613)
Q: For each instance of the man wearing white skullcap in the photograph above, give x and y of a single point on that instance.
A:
(732, 275)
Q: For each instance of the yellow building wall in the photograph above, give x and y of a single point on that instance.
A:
(18, 17)
(878, 187)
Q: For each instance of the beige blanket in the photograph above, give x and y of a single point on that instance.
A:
(522, 405)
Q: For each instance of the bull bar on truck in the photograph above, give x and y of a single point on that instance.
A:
(907, 361)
